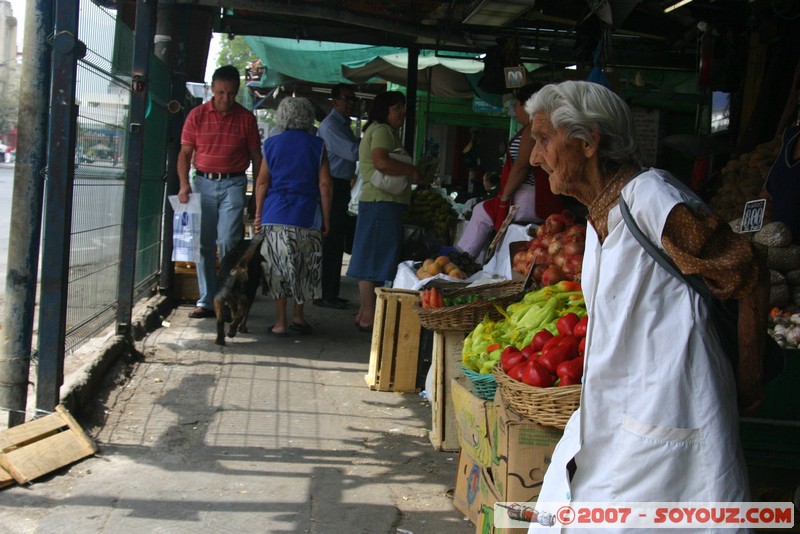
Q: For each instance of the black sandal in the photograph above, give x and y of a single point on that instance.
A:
(302, 329)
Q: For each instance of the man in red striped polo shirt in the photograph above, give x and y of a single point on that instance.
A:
(222, 138)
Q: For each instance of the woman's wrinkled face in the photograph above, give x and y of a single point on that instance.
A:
(563, 158)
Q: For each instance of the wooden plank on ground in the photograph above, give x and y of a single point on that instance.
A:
(43, 445)
(20, 435)
(5, 478)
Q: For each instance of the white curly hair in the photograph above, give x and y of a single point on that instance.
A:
(295, 113)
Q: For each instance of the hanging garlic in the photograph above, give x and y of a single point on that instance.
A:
(793, 335)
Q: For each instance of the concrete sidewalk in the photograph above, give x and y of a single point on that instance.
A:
(264, 435)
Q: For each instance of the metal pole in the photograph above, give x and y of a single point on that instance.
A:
(411, 99)
(142, 50)
(58, 212)
(26, 212)
(179, 33)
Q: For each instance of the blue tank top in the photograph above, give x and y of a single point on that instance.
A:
(294, 158)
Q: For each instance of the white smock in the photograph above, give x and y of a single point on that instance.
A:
(658, 419)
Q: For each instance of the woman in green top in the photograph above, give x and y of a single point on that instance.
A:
(379, 227)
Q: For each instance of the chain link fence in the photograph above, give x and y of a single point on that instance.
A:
(103, 97)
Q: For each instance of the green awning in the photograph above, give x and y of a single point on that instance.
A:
(310, 61)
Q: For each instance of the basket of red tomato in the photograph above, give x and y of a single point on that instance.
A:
(542, 381)
(463, 308)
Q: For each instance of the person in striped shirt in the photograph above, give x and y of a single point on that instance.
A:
(221, 138)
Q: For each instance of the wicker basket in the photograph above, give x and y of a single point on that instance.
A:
(484, 386)
(465, 317)
(546, 406)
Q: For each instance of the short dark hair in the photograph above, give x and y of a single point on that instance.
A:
(493, 177)
(379, 110)
(524, 93)
(228, 73)
(336, 90)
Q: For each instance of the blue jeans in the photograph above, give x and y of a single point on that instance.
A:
(222, 203)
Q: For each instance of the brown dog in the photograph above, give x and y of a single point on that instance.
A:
(240, 273)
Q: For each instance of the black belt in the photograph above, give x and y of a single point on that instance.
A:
(219, 175)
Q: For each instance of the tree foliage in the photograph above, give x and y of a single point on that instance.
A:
(9, 107)
(235, 52)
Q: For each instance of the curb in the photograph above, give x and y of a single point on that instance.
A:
(80, 386)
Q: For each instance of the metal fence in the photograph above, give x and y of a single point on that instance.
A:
(103, 97)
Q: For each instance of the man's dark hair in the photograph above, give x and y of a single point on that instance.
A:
(524, 93)
(493, 177)
(336, 90)
(228, 73)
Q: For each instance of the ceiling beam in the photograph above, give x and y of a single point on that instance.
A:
(415, 33)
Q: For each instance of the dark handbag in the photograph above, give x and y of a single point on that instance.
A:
(724, 313)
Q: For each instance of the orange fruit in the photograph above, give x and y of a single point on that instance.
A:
(442, 261)
(434, 268)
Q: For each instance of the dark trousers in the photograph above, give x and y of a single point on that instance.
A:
(333, 245)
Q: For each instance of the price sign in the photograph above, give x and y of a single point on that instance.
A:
(753, 215)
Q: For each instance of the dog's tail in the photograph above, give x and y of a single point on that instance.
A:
(254, 247)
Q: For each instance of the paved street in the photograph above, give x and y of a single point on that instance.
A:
(263, 435)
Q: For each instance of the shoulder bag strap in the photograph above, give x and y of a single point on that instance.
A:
(659, 255)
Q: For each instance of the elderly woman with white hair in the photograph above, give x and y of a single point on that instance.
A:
(658, 418)
(293, 203)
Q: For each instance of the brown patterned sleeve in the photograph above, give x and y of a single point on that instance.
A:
(703, 244)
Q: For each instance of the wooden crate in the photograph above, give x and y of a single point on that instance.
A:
(394, 354)
(446, 364)
(43, 445)
(184, 283)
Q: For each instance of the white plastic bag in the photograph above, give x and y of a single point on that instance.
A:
(393, 184)
(186, 228)
(355, 194)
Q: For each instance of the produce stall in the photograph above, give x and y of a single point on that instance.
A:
(508, 351)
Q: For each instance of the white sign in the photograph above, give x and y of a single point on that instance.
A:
(753, 215)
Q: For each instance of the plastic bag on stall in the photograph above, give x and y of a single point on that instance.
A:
(186, 228)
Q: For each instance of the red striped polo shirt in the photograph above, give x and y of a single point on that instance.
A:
(221, 143)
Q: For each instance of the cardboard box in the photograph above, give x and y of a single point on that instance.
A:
(475, 419)
(396, 331)
(474, 492)
(523, 451)
(446, 364)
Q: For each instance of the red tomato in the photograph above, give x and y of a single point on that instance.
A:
(567, 323)
(581, 327)
(582, 346)
(571, 369)
(516, 371)
(535, 374)
(510, 358)
(567, 381)
(540, 339)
